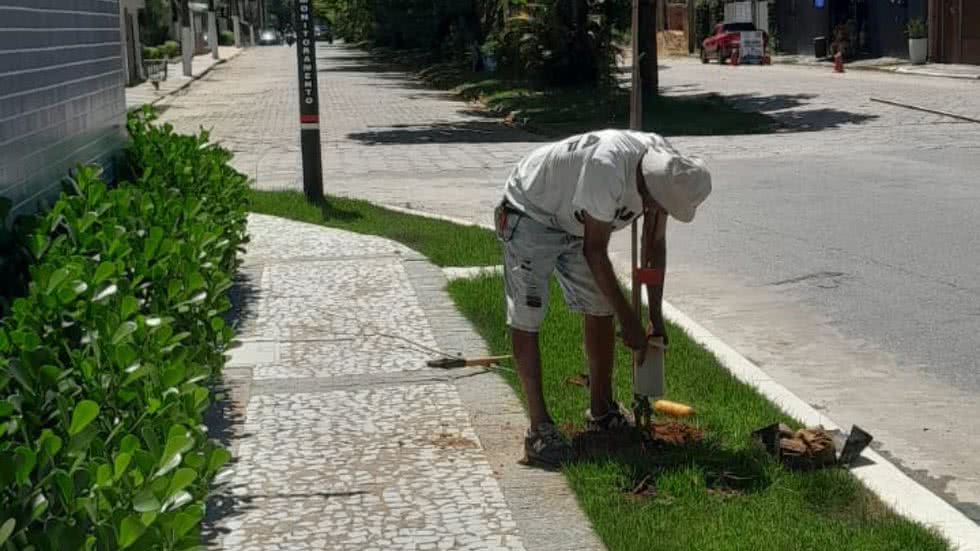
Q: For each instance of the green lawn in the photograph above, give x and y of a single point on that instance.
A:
(721, 494)
(444, 243)
(564, 111)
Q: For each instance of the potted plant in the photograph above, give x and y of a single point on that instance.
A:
(918, 41)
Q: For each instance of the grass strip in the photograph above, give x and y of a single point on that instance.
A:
(444, 243)
(555, 111)
(721, 494)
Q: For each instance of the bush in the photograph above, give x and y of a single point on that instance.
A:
(916, 28)
(543, 41)
(13, 256)
(170, 49)
(105, 362)
(226, 38)
(150, 52)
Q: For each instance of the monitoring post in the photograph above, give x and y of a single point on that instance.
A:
(309, 102)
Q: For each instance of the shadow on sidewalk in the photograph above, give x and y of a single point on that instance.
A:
(226, 416)
(489, 131)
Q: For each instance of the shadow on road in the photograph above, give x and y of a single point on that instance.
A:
(790, 113)
(489, 131)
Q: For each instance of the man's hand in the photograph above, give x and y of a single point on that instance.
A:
(634, 336)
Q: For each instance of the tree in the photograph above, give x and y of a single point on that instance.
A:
(155, 21)
(281, 14)
(649, 76)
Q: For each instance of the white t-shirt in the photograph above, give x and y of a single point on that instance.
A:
(593, 173)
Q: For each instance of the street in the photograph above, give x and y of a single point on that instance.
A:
(839, 254)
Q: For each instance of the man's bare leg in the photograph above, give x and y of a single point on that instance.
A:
(600, 342)
(527, 353)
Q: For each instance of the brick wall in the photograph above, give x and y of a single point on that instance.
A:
(62, 100)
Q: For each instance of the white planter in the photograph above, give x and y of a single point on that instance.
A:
(918, 50)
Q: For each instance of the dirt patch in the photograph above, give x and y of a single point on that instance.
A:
(589, 445)
(578, 380)
(451, 441)
(676, 434)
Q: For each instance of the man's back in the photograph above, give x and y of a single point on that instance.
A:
(594, 171)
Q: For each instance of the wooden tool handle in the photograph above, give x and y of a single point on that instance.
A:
(673, 409)
(485, 361)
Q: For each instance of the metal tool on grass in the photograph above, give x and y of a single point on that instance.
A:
(457, 362)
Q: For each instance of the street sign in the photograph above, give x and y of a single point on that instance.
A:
(751, 47)
(309, 102)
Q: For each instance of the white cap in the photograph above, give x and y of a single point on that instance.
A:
(677, 182)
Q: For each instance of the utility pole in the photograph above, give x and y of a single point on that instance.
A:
(647, 47)
(186, 38)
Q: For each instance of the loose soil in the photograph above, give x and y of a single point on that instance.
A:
(589, 445)
(449, 441)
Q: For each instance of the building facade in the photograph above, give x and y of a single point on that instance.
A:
(954, 31)
(62, 100)
(861, 28)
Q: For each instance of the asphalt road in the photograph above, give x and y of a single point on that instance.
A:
(841, 254)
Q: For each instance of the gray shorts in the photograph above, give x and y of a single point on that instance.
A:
(532, 252)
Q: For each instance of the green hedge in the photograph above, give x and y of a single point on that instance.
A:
(105, 363)
(170, 49)
(226, 38)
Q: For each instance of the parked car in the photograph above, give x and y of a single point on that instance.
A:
(725, 40)
(269, 37)
(322, 33)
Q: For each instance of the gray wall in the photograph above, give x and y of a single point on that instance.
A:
(62, 100)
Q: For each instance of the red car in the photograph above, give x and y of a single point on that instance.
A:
(725, 39)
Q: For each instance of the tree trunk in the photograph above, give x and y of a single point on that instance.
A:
(213, 30)
(236, 24)
(186, 38)
(649, 79)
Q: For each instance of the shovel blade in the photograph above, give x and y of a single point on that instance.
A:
(856, 442)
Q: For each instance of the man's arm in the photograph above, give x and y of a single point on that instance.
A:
(597, 234)
(655, 257)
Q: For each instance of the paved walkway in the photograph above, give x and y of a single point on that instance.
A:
(145, 93)
(343, 438)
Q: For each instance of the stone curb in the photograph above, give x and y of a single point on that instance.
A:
(899, 491)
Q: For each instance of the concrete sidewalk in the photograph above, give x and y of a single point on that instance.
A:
(343, 438)
(146, 94)
(891, 65)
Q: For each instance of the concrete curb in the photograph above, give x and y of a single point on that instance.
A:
(906, 496)
(918, 72)
(893, 69)
(900, 492)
